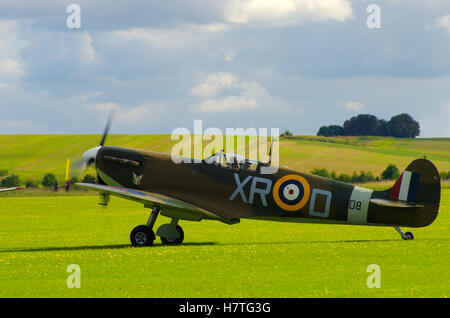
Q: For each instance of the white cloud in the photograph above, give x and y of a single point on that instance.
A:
(352, 105)
(84, 97)
(86, 51)
(214, 84)
(286, 12)
(436, 3)
(105, 107)
(439, 23)
(231, 103)
(128, 117)
(10, 69)
(242, 95)
(156, 38)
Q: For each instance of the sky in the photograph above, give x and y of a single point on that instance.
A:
(293, 64)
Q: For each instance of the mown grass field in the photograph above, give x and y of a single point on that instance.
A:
(40, 237)
(42, 233)
(31, 156)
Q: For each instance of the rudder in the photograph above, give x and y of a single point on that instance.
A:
(420, 183)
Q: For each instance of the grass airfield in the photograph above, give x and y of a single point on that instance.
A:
(41, 236)
(41, 233)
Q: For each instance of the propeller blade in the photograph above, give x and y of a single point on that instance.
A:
(108, 125)
(270, 151)
(77, 167)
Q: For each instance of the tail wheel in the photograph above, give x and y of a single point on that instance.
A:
(177, 241)
(142, 236)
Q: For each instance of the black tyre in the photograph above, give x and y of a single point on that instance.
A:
(177, 241)
(409, 236)
(142, 236)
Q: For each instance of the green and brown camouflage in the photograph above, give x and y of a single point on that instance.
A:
(218, 189)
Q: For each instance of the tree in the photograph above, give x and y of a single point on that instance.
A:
(400, 126)
(31, 184)
(73, 180)
(344, 177)
(89, 179)
(321, 172)
(49, 180)
(287, 133)
(404, 126)
(330, 131)
(390, 173)
(361, 125)
(11, 181)
(383, 128)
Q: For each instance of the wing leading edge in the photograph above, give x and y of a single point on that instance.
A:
(170, 207)
(10, 189)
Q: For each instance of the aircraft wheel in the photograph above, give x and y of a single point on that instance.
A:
(142, 236)
(177, 241)
(408, 236)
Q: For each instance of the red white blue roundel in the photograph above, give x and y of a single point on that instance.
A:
(291, 192)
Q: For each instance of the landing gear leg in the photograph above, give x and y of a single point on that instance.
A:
(171, 234)
(405, 236)
(143, 235)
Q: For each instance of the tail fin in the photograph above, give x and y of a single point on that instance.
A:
(419, 184)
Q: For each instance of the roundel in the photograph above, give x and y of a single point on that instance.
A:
(291, 192)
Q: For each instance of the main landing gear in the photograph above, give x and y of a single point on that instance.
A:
(405, 236)
(170, 234)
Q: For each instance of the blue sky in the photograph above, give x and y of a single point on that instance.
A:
(293, 64)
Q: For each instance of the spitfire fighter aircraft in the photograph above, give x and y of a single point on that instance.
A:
(217, 190)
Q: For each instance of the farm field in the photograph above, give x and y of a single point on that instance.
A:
(32, 156)
(40, 237)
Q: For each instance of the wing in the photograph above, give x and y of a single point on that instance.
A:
(10, 189)
(170, 207)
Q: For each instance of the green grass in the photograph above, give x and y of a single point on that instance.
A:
(31, 156)
(41, 236)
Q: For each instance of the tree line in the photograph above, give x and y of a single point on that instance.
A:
(48, 181)
(399, 126)
(390, 173)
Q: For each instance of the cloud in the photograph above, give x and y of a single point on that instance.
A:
(157, 38)
(214, 84)
(128, 116)
(234, 94)
(10, 69)
(441, 23)
(231, 103)
(352, 105)
(286, 12)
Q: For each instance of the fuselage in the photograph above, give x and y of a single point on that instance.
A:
(242, 191)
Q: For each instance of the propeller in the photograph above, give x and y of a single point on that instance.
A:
(106, 131)
(79, 164)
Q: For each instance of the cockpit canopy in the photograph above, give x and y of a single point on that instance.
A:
(232, 161)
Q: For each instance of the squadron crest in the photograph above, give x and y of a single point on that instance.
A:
(137, 180)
